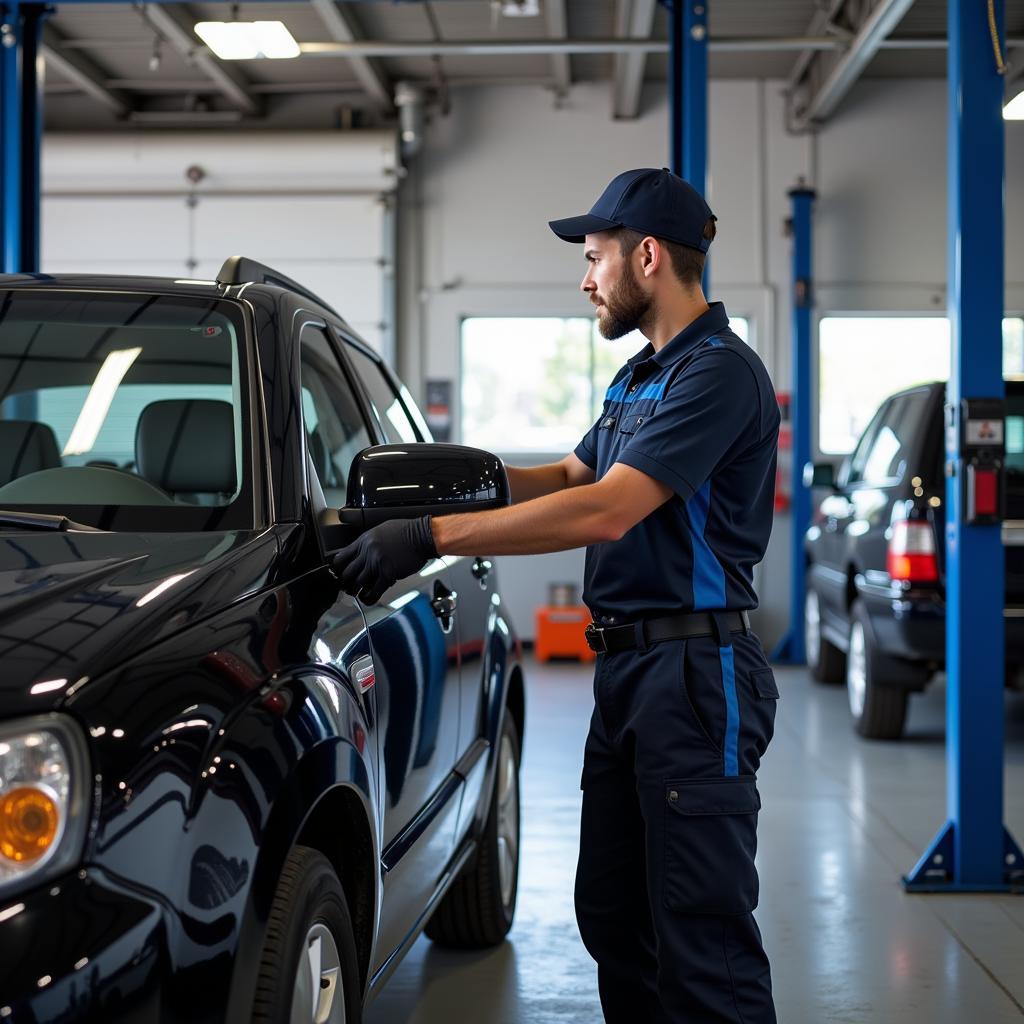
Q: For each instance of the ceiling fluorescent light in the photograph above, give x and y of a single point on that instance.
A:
(97, 402)
(520, 8)
(1014, 110)
(248, 40)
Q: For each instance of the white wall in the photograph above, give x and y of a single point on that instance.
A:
(475, 239)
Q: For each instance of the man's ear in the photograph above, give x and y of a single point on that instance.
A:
(651, 255)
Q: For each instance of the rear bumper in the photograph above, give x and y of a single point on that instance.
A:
(913, 626)
(81, 949)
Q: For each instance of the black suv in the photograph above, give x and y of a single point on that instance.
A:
(875, 612)
(229, 792)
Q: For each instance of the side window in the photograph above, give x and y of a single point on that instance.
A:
(394, 421)
(886, 460)
(863, 448)
(335, 430)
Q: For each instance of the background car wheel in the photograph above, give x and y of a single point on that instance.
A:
(878, 707)
(478, 909)
(309, 971)
(826, 662)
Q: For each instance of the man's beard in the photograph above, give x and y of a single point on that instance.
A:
(627, 308)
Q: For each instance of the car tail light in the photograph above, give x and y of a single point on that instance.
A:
(911, 554)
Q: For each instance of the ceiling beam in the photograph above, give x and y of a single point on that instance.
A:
(78, 69)
(554, 11)
(342, 29)
(879, 23)
(634, 19)
(510, 47)
(819, 24)
(175, 23)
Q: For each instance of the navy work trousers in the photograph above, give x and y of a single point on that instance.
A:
(666, 883)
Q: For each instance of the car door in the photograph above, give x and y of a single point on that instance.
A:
(414, 669)
(471, 577)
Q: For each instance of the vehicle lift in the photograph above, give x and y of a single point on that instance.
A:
(973, 851)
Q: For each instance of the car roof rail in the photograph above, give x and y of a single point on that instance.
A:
(242, 270)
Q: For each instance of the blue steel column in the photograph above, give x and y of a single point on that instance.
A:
(973, 851)
(688, 94)
(20, 134)
(10, 137)
(790, 649)
(32, 80)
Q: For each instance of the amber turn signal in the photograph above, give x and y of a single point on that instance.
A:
(29, 820)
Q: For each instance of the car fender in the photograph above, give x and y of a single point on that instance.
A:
(337, 766)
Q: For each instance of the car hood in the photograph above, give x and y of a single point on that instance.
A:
(74, 605)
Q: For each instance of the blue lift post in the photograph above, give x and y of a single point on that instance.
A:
(973, 851)
(21, 109)
(688, 96)
(790, 649)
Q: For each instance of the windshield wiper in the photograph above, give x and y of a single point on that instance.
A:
(41, 521)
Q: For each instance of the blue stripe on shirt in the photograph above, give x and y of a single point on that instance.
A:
(708, 574)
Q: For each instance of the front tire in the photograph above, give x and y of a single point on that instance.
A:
(878, 704)
(309, 971)
(827, 663)
(477, 911)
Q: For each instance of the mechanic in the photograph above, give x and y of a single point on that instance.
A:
(671, 491)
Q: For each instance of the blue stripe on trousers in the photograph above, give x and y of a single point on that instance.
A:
(732, 710)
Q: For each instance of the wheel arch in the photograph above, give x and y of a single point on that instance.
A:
(329, 779)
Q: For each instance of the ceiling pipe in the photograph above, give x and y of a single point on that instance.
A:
(409, 101)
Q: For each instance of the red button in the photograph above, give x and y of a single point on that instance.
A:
(986, 490)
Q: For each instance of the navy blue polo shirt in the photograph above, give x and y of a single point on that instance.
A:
(701, 416)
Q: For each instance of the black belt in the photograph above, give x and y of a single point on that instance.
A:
(682, 626)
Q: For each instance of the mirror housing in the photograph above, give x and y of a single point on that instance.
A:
(821, 474)
(403, 481)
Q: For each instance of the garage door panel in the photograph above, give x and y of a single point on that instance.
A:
(288, 227)
(118, 232)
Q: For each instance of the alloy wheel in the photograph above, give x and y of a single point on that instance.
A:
(857, 671)
(812, 628)
(508, 819)
(319, 994)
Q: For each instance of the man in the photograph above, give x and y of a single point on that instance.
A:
(671, 491)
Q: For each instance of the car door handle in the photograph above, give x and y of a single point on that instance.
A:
(444, 604)
(481, 570)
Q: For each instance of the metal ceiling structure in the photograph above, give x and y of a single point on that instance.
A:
(122, 64)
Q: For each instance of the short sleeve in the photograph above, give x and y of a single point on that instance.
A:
(586, 450)
(707, 409)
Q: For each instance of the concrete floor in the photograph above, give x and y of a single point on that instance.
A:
(841, 820)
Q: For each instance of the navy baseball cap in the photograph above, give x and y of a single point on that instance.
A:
(656, 202)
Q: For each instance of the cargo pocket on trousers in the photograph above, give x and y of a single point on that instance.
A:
(710, 842)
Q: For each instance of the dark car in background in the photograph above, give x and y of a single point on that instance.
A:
(875, 610)
(228, 791)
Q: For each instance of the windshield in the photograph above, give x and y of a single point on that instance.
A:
(125, 412)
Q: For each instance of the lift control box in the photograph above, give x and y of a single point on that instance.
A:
(982, 457)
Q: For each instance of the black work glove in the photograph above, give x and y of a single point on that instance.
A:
(384, 555)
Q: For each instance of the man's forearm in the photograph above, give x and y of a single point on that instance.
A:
(569, 518)
(532, 482)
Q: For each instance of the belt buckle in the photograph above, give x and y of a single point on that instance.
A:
(594, 635)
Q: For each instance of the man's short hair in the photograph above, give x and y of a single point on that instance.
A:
(687, 263)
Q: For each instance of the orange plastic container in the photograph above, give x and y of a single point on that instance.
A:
(559, 632)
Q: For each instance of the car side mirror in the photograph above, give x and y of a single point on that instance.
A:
(403, 481)
(821, 474)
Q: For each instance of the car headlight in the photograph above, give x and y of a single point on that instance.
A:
(44, 799)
